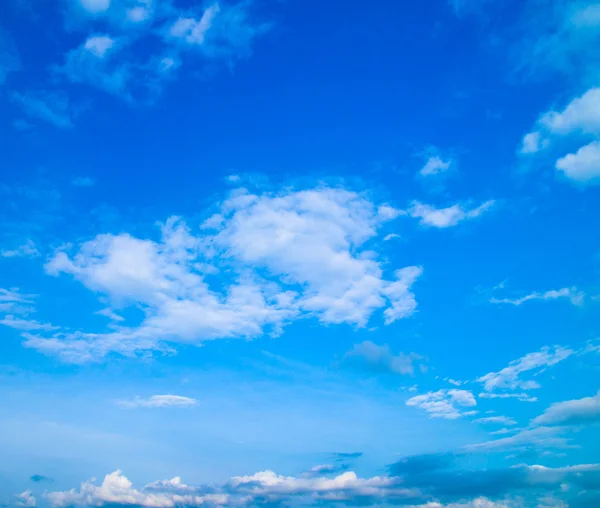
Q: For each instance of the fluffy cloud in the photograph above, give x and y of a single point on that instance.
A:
(583, 165)
(572, 294)
(278, 257)
(446, 217)
(116, 489)
(509, 377)
(381, 359)
(265, 486)
(444, 403)
(25, 499)
(159, 401)
(584, 410)
(580, 119)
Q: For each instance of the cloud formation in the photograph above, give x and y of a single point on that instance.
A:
(572, 294)
(158, 401)
(281, 257)
(570, 412)
(444, 404)
(509, 377)
(446, 217)
(376, 358)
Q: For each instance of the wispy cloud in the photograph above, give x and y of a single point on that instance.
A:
(509, 378)
(435, 165)
(501, 420)
(83, 181)
(446, 217)
(50, 107)
(572, 294)
(158, 401)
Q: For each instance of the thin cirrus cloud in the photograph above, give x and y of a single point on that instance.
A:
(26, 250)
(500, 420)
(16, 310)
(157, 401)
(50, 107)
(446, 217)
(571, 294)
(509, 378)
(291, 255)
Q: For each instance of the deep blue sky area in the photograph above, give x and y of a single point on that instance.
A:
(287, 253)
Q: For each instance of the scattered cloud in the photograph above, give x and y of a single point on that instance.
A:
(446, 217)
(578, 121)
(27, 250)
(502, 420)
(582, 166)
(509, 377)
(286, 256)
(586, 410)
(258, 488)
(15, 311)
(159, 401)
(435, 165)
(25, 499)
(50, 107)
(83, 181)
(444, 404)
(110, 314)
(380, 359)
(575, 296)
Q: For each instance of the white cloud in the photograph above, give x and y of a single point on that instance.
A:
(110, 314)
(502, 420)
(116, 489)
(381, 358)
(247, 490)
(582, 115)
(25, 499)
(27, 250)
(508, 378)
(446, 217)
(99, 45)
(523, 397)
(282, 257)
(194, 31)
(444, 403)
(572, 294)
(159, 401)
(533, 143)
(582, 166)
(580, 120)
(584, 410)
(435, 165)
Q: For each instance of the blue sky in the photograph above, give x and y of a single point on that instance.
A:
(296, 254)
